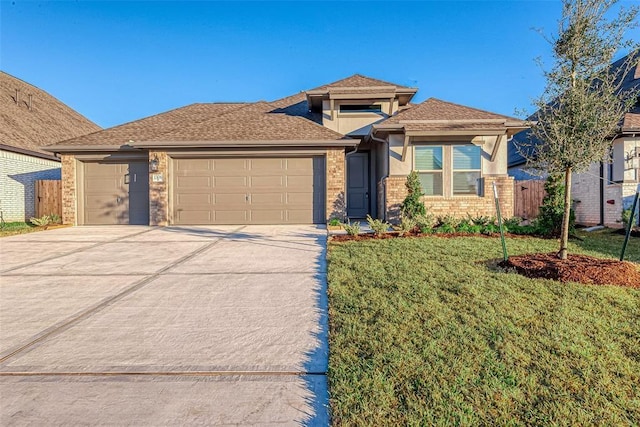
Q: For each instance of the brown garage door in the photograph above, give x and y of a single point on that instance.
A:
(248, 190)
(115, 193)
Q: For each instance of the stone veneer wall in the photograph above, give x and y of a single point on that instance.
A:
(458, 206)
(336, 184)
(69, 189)
(158, 191)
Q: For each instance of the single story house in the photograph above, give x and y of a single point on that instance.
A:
(29, 119)
(340, 150)
(602, 192)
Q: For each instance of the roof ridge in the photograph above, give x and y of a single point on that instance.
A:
(472, 108)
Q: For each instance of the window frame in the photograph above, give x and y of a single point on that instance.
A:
(447, 170)
(441, 171)
(367, 110)
(454, 170)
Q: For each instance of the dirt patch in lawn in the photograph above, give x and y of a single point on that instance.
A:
(576, 268)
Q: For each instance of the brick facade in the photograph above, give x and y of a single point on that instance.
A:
(159, 190)
(459, 206)
(336, 184)
(18, 174)
(69, 189)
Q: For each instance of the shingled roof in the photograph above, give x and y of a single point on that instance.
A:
(359, 81)
(253, 122)
(151, 127)
(36, 118)
(437, 115)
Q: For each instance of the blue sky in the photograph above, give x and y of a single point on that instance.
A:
(119, 61)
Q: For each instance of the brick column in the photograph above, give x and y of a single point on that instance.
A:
(69, 189)
(158, 190)
(336, 203)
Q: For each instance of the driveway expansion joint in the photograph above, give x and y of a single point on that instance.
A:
(78, 317)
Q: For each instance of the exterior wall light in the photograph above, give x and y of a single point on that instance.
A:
(154, 163)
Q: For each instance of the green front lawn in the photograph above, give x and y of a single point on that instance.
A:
(11, 228)
(424, 331)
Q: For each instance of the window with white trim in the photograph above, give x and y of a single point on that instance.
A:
(428, 161)
(466, 169)
(449, 170)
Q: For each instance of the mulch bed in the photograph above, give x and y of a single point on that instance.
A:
(576, 268)
(395, 234)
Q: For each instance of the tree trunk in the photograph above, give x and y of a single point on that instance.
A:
(564, 233)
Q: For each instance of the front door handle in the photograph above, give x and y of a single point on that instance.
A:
(366, 194)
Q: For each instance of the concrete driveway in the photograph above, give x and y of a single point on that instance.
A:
(128, 325)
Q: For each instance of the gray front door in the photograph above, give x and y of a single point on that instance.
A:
(358, 185)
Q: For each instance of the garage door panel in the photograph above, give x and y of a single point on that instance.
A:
(232, 217)
(252, 191)
(193, 165)
(231, 199)
(224, 167)
(230, 183)
(267, 216)
(198, 182)
(194, 199)
(267, 200)
(268, 181)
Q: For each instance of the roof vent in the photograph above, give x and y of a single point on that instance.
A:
(30, 102)
(17, 96)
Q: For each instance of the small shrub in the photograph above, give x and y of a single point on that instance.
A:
(445, 229)
(448, 220)
(425, 222)
(352, 229)
(43, 221)
(512, 222)
(378, 226)
(407, 225)
(482, 220)
(412, 205)
(490, 229)
(334, 222)
(55, 218)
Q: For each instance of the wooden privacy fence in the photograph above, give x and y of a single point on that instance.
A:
(528, 197)
(48, 198)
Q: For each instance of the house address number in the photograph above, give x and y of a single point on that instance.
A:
(157, 177)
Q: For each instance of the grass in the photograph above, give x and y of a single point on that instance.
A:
(423, 331)
(12, 228)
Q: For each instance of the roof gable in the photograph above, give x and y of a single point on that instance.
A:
(434, 109)
(359, 81)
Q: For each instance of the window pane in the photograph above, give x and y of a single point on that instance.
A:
(431, 183)
(466, 182)
(361, 108)
(466, 157)
(428, 158)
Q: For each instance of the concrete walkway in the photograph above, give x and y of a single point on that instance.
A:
(128, 325)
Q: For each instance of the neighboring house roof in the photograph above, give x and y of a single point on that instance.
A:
(630, 122)
(437, 115)
(35, 119)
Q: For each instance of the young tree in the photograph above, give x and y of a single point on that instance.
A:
(583, 105)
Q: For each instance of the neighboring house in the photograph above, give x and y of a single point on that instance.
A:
(605, 189)
(340, 150)
(29, 119)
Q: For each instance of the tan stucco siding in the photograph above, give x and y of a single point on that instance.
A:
(346, 123)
